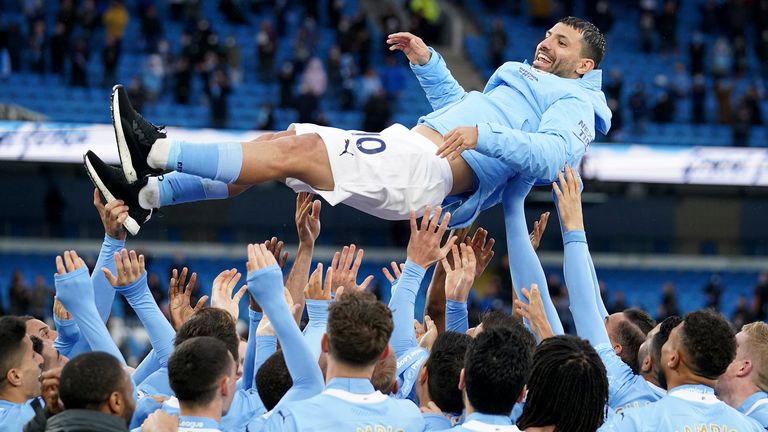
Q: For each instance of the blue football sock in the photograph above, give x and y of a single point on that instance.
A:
(217, 161)
(178, 188)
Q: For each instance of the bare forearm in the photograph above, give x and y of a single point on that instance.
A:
(299, 275)
(435, 305)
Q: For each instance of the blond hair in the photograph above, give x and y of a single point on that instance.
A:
(756, 349)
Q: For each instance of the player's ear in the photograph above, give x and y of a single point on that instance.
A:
(745, 368)
(423, 375)
(647, 365)
(521, 398)
(116, 403)
(585, 65)
(324, 343)
(384, 353)
(462, 383)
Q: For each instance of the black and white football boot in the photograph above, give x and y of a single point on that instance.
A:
(135, 137)
(113, 186)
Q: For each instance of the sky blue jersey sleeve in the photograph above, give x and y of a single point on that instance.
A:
(317, 310)
(440, 86)
(146, 368)
(266, 286)
(581, 290)
(103, 290)
(249, 363)
(402, 305)
(69, 335)
(565, 131)
(161, 334)
(524, 264)
(456, 316)
(76, 294)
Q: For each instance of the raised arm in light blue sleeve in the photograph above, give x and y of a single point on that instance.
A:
(456, 316)
(581, 291)
(440, 86)
(317, 310)
(161, 334)
(402, 305)
(69, 335)
(249, 371)
(103, 290)
(524, 264)
(265, 347)
(566, 129)
(75, 292)
(266, 286)
(145, 368)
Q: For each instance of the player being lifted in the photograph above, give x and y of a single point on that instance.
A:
(530, 121)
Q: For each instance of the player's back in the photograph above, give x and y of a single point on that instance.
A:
(339, 409)
(686, 408)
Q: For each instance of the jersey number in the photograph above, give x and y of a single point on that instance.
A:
(370, 143)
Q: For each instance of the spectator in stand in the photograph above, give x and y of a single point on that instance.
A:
(153, 77)
(392, 78)
(137, 92)
(668, 306)
(722, 58)
(183, 80)
(752, 98)
(637, 104)
(741, 126)
(110, 55)
(59, 45)
(287, 78)
(79, 63)
(614, 84)
(115, 20)
(602, 16)
(760, 299)
(698, 99)
(19, 295)
(713, 290)
(664, 109)
(697, 52)
(314, 82)
(497, 44)
(369, 85)
(647, 25)
(681, 81)
(88, 17)
(377, 111)
(218, 92)
(724, 95)
(266, 46)
(742, 314)
(667, 26)
(151, 28)
(38, 45)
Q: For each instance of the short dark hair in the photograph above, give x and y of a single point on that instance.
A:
(496, 368)
(630, 337)
(658, 341)
(443, 369)
(500, 319)
(709, 342)
(88, 379)
(273, 380)
(594, 41)
(641, 319)
(359, 327)
(213, 322)
(568, 387)
(12, 333)
(195, 368)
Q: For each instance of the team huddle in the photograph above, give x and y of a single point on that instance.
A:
(359, 364)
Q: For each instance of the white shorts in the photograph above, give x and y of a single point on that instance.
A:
(385, 174)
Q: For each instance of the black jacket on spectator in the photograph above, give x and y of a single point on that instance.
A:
(76, 420)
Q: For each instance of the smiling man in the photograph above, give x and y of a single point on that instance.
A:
(20, 368)
(530, 120)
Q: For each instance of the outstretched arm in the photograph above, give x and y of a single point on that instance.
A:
(265, 283)
(576, 263)
(112, 215)
(423, 251)
(440, 86)
(524, 265)
(308, 227)
(130, 280)
(74, 290)
(318, 297)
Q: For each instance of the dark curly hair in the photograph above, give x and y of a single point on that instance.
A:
(709, 342)
(359, 327)
(568, 387)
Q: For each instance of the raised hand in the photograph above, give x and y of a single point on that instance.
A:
(316, 289)
(345, 267)
(221, 293)
(69, 263)
(424, 245)
(179, 304)
(275, 246)
(59, 310)
(112, 215)
(129, 266)
(259, 257)
(396, 271)
(538, 230)
(483, 250)
(411, 45)
(533, 311)
(457, 140)
(430, 335)
(50, 381)
(307, 218)
(459, 279)
(569, 200)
